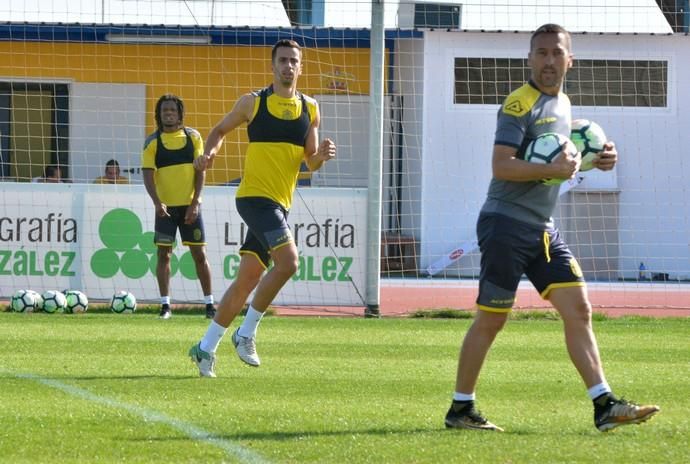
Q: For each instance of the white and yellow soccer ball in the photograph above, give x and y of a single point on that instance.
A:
(545, 148)
(589, 139)
(25, 301)
(77, 302)
(123, 302)
(54, 301)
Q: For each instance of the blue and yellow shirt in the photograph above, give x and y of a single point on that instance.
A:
(277, 135)
(171, 156)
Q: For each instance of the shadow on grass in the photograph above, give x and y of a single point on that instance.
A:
(384, 432)
(519, 315)
(380, 432)
(178, 309)
(289, 436)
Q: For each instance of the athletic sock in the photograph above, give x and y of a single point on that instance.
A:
(250, 323)
(596, 391)
(214, 334)
(464, 397)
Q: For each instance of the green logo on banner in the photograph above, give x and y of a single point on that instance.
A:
(131, 250)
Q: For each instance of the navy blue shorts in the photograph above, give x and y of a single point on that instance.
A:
(267, 224)
(166, 228)
(511, 248)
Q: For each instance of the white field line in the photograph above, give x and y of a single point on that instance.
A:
(235, 450)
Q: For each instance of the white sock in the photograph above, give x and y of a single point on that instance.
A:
(457, 396)
(214, 334)
(250, 323)
(165, 300)
(208, 299)
(598, 390)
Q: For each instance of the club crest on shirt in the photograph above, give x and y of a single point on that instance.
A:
(513, 107)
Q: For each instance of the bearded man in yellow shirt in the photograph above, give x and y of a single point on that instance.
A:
(175, 189)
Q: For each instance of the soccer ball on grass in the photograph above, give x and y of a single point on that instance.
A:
(38, 299)
(54, 301)
(25, 301)
(545, 148)
(76, 302)
(589, 139)
(123, 302)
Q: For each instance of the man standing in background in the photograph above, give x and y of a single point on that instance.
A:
(175, 189)
(112, 174)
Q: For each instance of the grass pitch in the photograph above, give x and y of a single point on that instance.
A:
(119, 388)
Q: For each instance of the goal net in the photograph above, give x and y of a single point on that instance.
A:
(78, 88)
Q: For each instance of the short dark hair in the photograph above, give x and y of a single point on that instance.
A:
(51, 169)
(112, 162)
(172, 98)
(284, 43)
(550, 28)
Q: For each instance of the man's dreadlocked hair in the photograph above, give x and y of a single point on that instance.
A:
(159, 103)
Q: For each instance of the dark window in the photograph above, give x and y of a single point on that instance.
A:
(436, 15)
(636, 83)
(641, 83)
(487, 81)
(55, 125)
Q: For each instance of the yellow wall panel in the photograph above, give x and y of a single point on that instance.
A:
(209, 78)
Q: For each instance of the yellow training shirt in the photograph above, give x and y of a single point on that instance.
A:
(277, 135)
(173, 163)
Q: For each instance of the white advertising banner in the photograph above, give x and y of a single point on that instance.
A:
(99, 239)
